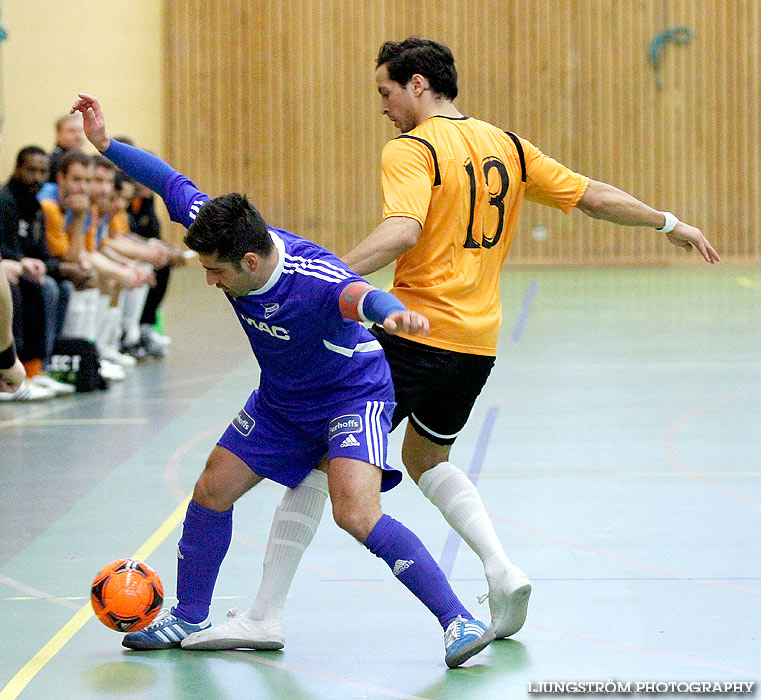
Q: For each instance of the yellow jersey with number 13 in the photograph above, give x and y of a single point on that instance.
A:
(464, 181)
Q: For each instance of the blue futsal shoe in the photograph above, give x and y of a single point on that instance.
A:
(165, 632)
(465, 638)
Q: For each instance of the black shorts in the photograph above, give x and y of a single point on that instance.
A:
(435, 388)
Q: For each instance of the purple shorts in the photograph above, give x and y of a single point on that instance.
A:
(285, 448)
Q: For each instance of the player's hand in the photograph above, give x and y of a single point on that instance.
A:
(129, 277)
(34, 269)
(406, 322)
(11, 378)
(686, 236)
(157, 253)
(93, 120)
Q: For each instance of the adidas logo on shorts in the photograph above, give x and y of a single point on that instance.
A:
(402, 565)
(350, 441)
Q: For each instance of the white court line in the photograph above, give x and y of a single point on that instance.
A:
(34, 415)
(613, 475)
(85, 421)
(35, 594)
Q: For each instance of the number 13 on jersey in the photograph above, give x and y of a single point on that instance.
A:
(497, 182)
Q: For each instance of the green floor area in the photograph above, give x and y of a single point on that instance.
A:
(616, 447)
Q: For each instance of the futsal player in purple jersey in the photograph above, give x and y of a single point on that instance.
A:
(325, 399)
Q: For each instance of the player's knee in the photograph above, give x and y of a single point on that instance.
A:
(419, 455)
(417, 464)
(354, 521)
(208, 492)
(414, 469)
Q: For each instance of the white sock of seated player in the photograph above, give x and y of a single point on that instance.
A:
(109, 327)
(456, 496)
(93, 302)
(74, 321)
(132, 302)
(293, 528)
(81, 315)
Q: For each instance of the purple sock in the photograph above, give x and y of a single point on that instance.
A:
(414, 566)
(206, 536)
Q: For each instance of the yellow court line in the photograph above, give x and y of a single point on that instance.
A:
(60, 638)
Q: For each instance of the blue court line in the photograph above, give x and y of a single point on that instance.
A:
(528, 297)
(452, 544)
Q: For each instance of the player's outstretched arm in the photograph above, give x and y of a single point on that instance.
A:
(361, 301)
(180, 195)
(140, 165)
(603, 201)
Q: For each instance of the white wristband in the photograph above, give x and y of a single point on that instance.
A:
(671, 222)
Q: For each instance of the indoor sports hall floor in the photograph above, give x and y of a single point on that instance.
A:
(616, 446)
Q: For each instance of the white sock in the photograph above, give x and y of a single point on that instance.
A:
(81, 315)
(132, 302)
(73, 321)
(93, 311)
(456, 496)
(110, 331)
(104, 322)
(293, 528)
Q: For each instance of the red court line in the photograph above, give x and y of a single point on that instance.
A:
(672, 455)
(636, 563)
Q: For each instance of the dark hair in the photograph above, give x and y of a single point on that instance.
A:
(27, 151)
(229, 226)
(100, 161)
(69, 158)
(120, 179)
(430, 59)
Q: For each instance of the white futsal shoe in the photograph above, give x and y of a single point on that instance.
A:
(28, 391)
(508, 601)
(238, 632)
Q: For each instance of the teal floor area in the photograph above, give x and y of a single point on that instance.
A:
(617, 448)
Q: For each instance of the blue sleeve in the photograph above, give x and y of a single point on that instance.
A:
(182, 198)
(377, 305)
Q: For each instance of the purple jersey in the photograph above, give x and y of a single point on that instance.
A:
(310, 355)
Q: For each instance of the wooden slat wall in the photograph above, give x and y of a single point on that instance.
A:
(276, 98)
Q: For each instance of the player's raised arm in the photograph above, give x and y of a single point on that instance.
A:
(361, 301)
(182, 198)
(94, 121)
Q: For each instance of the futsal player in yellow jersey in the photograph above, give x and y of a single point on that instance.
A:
(452, 191)
(462, 182)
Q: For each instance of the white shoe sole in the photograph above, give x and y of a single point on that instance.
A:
(511, 606)
(222, 643)
(221, 636)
